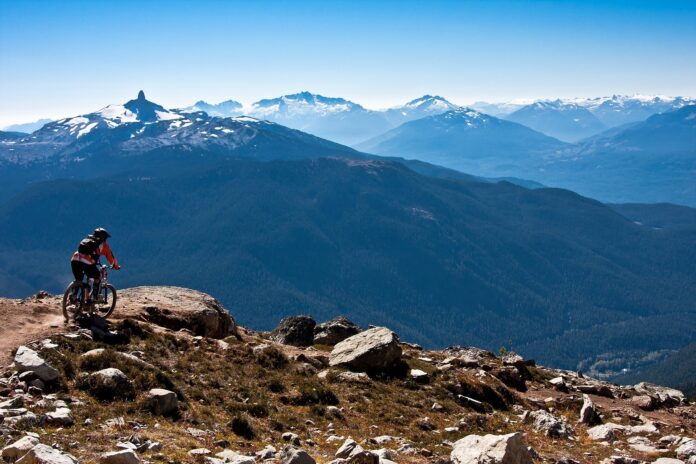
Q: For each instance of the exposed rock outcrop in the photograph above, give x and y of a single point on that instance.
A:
(334, 331)
(295, 331)
(178, 308)
(374, 349)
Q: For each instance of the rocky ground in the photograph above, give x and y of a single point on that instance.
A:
(171, 378)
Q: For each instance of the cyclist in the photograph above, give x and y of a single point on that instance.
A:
(84, 260)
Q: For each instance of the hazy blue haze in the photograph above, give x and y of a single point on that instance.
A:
(69, 57)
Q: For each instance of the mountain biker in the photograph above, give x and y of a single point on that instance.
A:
(89, 251)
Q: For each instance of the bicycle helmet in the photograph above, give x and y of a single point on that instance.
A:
(101, 233)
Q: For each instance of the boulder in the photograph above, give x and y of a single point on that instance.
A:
(109, 383)
(665, 396)
(588, 413)
(334, 331)
(372, 350)
(291, 455)
(605, 432)
(551, 425)
(162, 402)
(644, 402)
(44, 454)
(125, 456)
(23, 421)
(687, 449)
(178, 308)
(491, 449)
(61, 417)
(363, 457)
(28, 360)
(419, 376)
(19, 448)
(348, 448)
(295, 331)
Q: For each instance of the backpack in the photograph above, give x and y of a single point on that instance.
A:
(87, 247)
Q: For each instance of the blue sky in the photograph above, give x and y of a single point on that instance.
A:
(68, 57)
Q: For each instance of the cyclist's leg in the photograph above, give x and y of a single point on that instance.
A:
(78, 270)
(92, 279)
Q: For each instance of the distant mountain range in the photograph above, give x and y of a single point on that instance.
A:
(649, 161)
(27, 127)
(467, 140)
(565, 121)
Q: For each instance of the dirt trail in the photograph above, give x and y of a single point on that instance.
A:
(22, 321)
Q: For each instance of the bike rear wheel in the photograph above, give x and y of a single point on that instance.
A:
(105, 302)
(73, 300)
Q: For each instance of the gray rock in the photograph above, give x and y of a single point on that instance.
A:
(291, 455)
(125, 456)
(419, 375)
(61, 417)
(687, 449)
(334, 331)
(291, 438)
(363, 457)
(666, 396)
(268, 452)
(162, 402)
(605, 432)
(491, 449)
(232, 457)
(644, 402)
(295, 331)
(371, 350)
(28, 360)
(44, 454)
(668, 461)
(22, 421)
(19, 448)
(589, 414)
(110, 383)
(550, 425)
(348, 448)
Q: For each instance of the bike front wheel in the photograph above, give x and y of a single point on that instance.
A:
(106, 302)
(73, 299)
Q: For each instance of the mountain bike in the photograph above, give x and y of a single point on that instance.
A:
(103, 299)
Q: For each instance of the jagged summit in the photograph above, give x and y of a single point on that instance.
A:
(171, 378)
(143, 108)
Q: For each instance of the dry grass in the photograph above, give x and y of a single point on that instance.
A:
(249, 399)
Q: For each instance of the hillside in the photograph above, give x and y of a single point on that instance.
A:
(646, 162)
(676, 370)
(562, 277)
(173, 378)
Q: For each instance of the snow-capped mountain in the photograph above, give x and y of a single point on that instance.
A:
(499, 109)
(426, 105)
(140, 126)
(620, 109)
(464, 139)
(565, 121)
(227, 108)
(335, 119)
